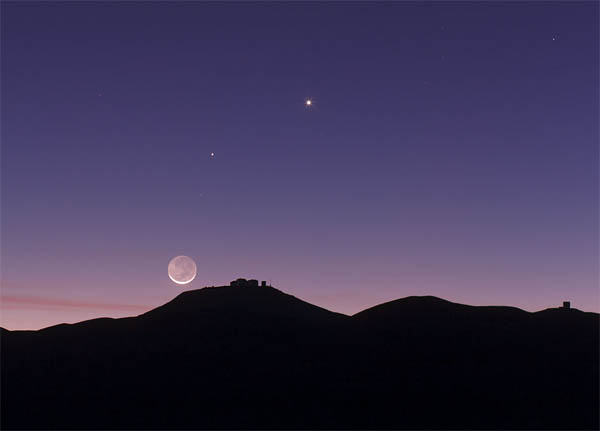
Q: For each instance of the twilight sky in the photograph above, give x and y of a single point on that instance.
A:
(451, 150)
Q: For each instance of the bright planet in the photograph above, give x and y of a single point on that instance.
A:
(182, 269)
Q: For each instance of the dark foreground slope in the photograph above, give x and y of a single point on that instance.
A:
(258, 358)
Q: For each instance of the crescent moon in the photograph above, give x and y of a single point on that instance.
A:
(182, 269)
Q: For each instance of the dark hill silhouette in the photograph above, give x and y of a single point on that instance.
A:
(433, 307)
(435, 316)
(255, 357)
(227, 302)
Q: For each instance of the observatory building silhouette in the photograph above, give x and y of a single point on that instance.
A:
(242, 282)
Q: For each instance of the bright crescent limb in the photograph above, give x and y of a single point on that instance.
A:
(182, 282)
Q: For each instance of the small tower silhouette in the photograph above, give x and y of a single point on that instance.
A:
(566, 305)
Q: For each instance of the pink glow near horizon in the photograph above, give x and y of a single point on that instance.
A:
(28, 311)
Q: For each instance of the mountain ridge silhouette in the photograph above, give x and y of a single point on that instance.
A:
(256, 357)
(414, 305)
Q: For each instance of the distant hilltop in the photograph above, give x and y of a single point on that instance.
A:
(242, 282)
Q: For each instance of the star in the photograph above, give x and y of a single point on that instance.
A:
(308, 102)
(212, 154)
(553, 37)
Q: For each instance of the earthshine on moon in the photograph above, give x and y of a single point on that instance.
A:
(182, 269)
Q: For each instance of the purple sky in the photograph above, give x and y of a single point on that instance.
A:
(451, 150)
